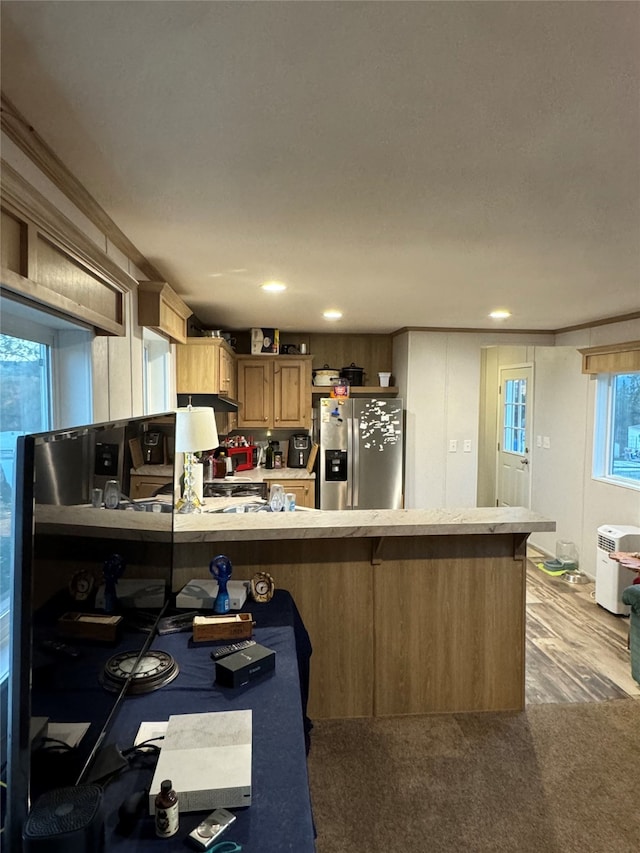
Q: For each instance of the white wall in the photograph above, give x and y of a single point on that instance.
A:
(442, 377)
(560, 415)
(439, 375)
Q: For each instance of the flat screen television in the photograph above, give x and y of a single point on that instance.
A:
(64, 547)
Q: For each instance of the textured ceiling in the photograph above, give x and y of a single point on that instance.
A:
(412, 164)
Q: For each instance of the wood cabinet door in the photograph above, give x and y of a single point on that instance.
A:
(331, 583)
(227, 374)
(255, 392)
(304, 490)
(198, 367)
(457, 641)
(228, 388)
(291, 393)
(145, 487)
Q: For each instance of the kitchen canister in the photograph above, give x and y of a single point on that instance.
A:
(384, 379)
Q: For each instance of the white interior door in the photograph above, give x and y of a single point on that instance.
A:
(514, 427)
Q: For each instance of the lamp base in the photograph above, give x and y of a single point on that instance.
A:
(188, 504)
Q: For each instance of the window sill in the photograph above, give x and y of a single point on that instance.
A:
(616, 481)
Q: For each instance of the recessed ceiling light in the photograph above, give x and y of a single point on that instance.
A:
(332, 315)
(273, 286)
(500, 314)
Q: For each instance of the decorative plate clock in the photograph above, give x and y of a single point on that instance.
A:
(262, 587)
(81, 585)
(154, 670)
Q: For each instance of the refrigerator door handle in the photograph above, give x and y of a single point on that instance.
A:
(349, 465)
(354, 435)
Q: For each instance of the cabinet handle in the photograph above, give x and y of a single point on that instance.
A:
(265, 419)
(277, 419)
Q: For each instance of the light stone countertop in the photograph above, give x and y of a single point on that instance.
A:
(312, 524)
(85, 520)
(232, 527)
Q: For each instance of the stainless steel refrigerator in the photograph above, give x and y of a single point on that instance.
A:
(361, 450)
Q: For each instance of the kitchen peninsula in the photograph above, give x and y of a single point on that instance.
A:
(409, 611)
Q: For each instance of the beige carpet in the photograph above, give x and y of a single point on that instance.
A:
(554, 779)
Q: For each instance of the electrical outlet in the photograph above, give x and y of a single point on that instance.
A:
(546, 442)
(453, 445)
(467, 445)
(538, 441)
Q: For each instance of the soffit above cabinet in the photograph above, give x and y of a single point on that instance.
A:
(612, 358)
(161, 309)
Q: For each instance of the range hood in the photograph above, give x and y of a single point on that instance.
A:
(214, 401)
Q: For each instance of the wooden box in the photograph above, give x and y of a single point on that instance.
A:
(89, 626)
(238, 626)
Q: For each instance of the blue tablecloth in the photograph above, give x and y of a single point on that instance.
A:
(279, 818)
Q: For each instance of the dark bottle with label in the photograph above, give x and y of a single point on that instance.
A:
(268, 456)
(167, 817)
(220, 464)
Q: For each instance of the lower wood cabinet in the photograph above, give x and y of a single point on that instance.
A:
(145, 486)
(400, 625)
(304, 490)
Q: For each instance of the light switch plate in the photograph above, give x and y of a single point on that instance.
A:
(546, 442)
(453, 445)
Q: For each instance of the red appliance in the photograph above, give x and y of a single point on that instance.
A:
(242, 458)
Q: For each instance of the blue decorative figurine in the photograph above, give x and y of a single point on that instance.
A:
(112, 569)
(220, 568)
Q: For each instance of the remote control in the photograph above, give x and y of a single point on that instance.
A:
(174, 624)
(223, 651)
(60, 649)
(211, 828)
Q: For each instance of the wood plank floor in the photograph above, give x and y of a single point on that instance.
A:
(576, 651)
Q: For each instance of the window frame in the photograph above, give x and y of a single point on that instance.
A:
(69, 399)
(603, 432)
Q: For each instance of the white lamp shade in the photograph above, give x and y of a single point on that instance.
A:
(195, 429)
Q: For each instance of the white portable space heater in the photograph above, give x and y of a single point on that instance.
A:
(611, 577)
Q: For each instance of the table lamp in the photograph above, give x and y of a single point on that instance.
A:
(195, 430)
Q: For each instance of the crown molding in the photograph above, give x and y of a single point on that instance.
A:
(18, 129)
(603, 321)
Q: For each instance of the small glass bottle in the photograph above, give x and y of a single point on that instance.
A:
(166, 810)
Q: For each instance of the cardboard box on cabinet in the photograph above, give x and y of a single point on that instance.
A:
(265, 341)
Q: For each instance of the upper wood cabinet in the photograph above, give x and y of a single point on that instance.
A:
(206, 366)
(274, 392)
(161, 309)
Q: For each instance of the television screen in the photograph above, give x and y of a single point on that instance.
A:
(91, 575)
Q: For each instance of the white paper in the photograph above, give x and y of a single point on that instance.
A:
(69, 733)
(147, 731)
